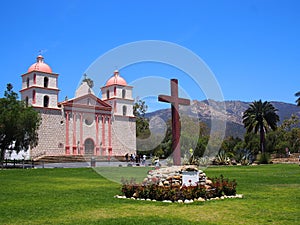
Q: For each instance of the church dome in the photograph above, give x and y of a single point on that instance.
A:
(40, 66)
(116, 79)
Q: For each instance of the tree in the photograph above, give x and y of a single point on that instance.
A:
(287, 135)
(18, 124)
(251, 142)
(260, 117)
(142, 123)
(143, 133)
(229, 143)
(298, 100)
(140, 108)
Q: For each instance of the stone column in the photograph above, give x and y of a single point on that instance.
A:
(67, 134)
(81, 134)
(97, 135)
(103, 135)
(74, 134)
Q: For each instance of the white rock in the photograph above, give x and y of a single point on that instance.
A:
(209, 182)
(166, 182)
(188, 201)
(239, 196)
(180, 201)
(201, 199)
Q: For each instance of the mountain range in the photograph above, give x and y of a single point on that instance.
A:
(229, 111)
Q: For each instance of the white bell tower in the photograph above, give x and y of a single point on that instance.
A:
(118, 94)
(39, 85)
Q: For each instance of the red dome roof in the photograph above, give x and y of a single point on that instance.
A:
(40, 66)
(116, 79)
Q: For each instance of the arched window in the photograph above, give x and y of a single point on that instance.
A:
(124, 110)
(46, 81)
(107, 94)
(26, 101)
(27, 82)
(46, 101)
(123, 93)
(34, 78)
(33, 97)
(115, 91)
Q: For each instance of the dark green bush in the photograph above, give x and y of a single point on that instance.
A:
(264, 158)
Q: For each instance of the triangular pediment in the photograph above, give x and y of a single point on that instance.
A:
(87, 102)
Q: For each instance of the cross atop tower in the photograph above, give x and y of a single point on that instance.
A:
(175, 101)
(85, 76)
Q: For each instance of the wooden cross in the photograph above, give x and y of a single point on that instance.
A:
(175, 101)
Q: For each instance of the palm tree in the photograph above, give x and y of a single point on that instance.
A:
(260, 116)
(298, 100)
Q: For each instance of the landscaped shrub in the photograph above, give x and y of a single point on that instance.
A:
(129, 188)
(243, 156)
(222, 158)
(220, 186)
(264, 158)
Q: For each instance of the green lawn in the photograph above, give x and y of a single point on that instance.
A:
(82, 196)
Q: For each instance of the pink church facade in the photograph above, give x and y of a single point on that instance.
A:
(84, 125)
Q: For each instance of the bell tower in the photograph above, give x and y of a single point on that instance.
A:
(39, 85)
(118, 94)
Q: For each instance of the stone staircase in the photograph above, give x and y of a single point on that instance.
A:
(77, 158)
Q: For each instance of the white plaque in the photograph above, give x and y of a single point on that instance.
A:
(190, 178)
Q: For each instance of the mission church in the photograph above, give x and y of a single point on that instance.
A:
(84, 125)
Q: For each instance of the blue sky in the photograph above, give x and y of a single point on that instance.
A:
(252, 47)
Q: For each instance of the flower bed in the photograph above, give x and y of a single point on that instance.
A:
(216, 188)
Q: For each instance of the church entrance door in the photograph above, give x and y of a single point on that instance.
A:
(89, 147)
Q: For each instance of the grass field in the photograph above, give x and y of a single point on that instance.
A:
(82, 196)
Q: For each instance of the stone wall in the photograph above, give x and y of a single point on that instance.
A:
(173, 176)
(51, 134)
(123, 135)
